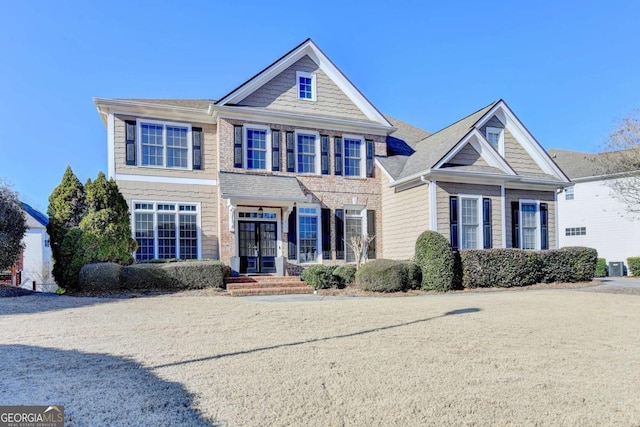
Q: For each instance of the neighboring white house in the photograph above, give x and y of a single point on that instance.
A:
(589, 212)
(36, 257)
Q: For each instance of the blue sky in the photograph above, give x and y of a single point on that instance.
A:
(568, 69)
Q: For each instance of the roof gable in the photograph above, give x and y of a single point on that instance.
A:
(35, 214)
(312, 51)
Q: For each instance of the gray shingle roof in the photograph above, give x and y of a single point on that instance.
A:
(576, 164)
(252, 186)
(191, 103)
(476, 169)
(433, 148)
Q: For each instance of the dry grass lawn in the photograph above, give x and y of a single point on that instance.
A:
(552, 357)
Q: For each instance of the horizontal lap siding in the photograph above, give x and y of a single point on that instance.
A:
(405, 216)
(446, 189)
(209, 156)
(281, 93)
(542, 196)
(205, 195)
(517, 156)
(468, 156)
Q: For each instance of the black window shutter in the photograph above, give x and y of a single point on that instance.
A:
(338, 155)
(453, 222)
(130, 141)
(370, 167)
(326, 233)
(293, 255)
(196, 136)
(339, 234)
(515, 224)
(324, 154)
(371, 231)
(237, 146)
(275, 150)
(486, 223)
(544, 226)
(291, 165)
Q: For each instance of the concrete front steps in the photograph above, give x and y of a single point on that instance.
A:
(243, 286)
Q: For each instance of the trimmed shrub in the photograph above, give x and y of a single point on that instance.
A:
(346, 274)
(70, 260)
(320, 276)
(601, 267)
(502, 268)
(435, 258)
(634, 265)
(386, 275)
(569, 265)
(100, 277)
(173, 276)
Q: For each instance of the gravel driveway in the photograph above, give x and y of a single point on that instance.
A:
(554, 357)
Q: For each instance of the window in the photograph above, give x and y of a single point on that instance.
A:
(575, 231)
(352, 156)
(353, 225)
(569, 194)
(256, 149)
(469, 223)
(166, 230)
(308, 234)
(494, 136)
(307, 156)
(529, 221)
(165, 144)
(47, 243)
(306, 85)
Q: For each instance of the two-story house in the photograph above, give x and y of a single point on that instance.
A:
(285, 169)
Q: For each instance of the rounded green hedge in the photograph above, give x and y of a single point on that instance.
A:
(386, 275)
(346, 274)
(435, 258)
(320, 276)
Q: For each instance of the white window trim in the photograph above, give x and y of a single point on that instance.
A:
(318, 160)
(245, 146)
(363, 216)
(500, 132)
(363, 156)
(155, 203)
(318, 238)
(537, 222)
(311, 76)
(164, 125)
(479, 206)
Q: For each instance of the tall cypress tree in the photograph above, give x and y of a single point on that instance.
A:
(66, 208)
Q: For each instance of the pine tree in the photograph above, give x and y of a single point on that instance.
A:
(66, 208)
(13, 225)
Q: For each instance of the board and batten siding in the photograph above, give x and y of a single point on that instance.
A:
(281, 93)
(209, 154)
(206, 195)
(405, 215)
(446, 189)
(610, 228)
(547, 197)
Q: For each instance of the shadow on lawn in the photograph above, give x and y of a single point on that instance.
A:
(313, 340)
(95, 389)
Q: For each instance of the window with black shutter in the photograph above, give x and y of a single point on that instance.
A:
(326, 233)
(291, 161)
(196, 136)
(339, 236)
(544, 226)
(486, 223)
(371, 232)
(324, 154)
(293, 251)
(237, 146)
(130, 141)
(515, 224)
(453, 222)
(338, 155)
(275, 150)
(370, 168)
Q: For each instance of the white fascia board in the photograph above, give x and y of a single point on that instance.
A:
(164, 179)
(324, 63)
(296, 119)
(146, 109)
(526, 139)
